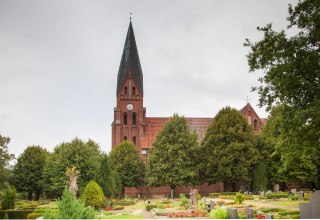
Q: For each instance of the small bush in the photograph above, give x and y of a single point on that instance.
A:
(293, 197)
(125, 202)
(219, 213)
(268, 193)
(239, 198)
(118, 207)
(93, 195)
(186, 203)
(277, 195)
(34, 215)
(9, 199)
(165, 202)
(15, 214)
(150, 206)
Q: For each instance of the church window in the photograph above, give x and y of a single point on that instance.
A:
(249, 118)
(134, 140)
(125, 90)
(125, 118)
(134, 91)
(255, 125)
(125, 138)
(134, 118)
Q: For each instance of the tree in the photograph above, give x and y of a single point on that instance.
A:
(291, 77)
(93, 195)
(106, 177)
(125, 160)
(27, 173)
(229, 147)
(8, 199)
(260, 178)
(5, 158)
(172, 158)
(84, 156)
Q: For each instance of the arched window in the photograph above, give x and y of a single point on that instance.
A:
(125, 90)
(134, 118)
(249, 118)
(133, 90)
(125, 118)
(125, 138)
(255, 125)
(134, 140)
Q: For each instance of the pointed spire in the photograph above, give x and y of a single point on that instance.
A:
(130, 62)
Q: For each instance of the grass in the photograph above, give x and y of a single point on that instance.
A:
(288, 203)
(51, 205)
(125, 216)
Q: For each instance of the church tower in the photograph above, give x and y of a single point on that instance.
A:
(129, 115)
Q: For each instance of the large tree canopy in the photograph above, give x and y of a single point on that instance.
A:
(5, 157)
(291, 65)
(125, 160)
(229, 147)
(85, 156)
(172, 160)
(27, 173)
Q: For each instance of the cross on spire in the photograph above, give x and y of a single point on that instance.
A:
(130, 16)
(247, 99)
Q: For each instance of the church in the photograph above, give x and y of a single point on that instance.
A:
(132, 124)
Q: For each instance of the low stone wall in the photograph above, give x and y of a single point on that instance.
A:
(203, 189)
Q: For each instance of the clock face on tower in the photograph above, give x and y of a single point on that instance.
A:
(129, 107)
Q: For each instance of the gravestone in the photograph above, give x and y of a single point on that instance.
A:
(172, 193)
(194, 198)
(276, 187)
(250, 213)
(311, 210)
(204, 201)
(301, 195)
(211, 204)
(262, 193)
(293, 191)
(269, 216)
(232, 213)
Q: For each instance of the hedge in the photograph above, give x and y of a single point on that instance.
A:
(34, 215)
(215, 195)
(150, 206)
(277, 195)
(15, 214)
(125, 202)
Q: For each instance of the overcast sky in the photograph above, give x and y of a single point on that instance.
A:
(59, 62)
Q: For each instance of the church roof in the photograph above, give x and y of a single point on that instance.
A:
(130, 63)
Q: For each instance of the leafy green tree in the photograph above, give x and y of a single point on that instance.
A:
(229, 147)
(8, 199)
(106, 177)
(125, 160)
(291, 64)
(85, 156)
(93, 195)
(5, 157)
(172, 159)
(27, 173)
(70, 208)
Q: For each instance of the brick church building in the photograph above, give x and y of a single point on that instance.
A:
(132, 124)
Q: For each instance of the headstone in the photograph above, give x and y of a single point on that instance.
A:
(211, 204)
(311, 210)
(172, 193)
(276, 187)
(269, 216)
(204, 201)
(301, 195)
(293, 191)
(246, 193)
(232, 213)
(250, 213)
(191, 194)
(262, 193)
(195, 198)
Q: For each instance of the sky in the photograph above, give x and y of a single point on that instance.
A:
(59, 62)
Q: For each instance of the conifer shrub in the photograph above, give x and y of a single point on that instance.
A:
(9, 199)
(239, 198)
(70, 208)
(93, 195)
(219, 213)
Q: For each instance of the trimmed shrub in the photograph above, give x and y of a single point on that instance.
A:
(293, 197)
(69, 208)
(15, 214)
(219, 213)
(260, 179)
(239, 198)
(215, 195)
(119, 207)
(93, 195)
(34, 215)
(166, 202)
(9, 199)
(277, 195)
(125, 202)
(150, 206)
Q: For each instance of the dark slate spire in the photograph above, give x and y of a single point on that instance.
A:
(130, 62)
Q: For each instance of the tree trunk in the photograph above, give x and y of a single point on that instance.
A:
(30, 195)
(38, 193)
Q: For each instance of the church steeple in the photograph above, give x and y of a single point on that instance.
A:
(130, 63)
